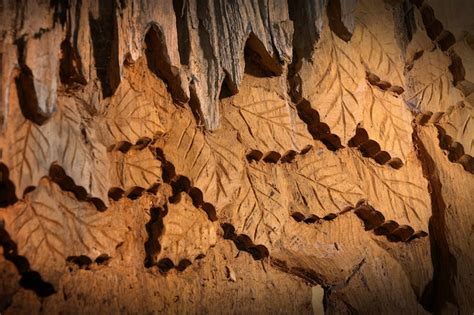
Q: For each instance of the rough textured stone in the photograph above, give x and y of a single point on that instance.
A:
(232, 157)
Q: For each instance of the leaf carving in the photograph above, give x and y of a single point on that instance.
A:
(259, 211)
(136, 168)
(459, 124)
(266, 120)
(319, 186)
(335, 85)
(431, 87)
(132, 115)
(67, 140)
(79, 152)
(49, 225)
(400, 195)
(28, 155)
(387, 120)
(187, 232)
(212, 161)
(373, 37)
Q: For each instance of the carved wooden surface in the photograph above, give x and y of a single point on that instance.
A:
(236, 157)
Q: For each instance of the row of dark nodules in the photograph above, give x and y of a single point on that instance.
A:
(361, 141)
(179, 184)
(373, 221)
(455, 150)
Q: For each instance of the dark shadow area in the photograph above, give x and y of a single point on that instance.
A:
(30, 279)
(104, 35)
(336, 24)
(159, 62)
(26, 89)
(244, 243)
(7, 188)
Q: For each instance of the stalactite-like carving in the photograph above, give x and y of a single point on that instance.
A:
(185, 156)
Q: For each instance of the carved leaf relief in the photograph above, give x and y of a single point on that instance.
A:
(400, 195)
(459, 124)
(131, 115)
(374, 39)
(28, 155)
(50, 225)
(319, 185)
(78, 150)
(136, 168)
(212, 161)
(266, 120)
(388, 121)
(335, 85)
(259, 211)
(187, 232)
(430, 86)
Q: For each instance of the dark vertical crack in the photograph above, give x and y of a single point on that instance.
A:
(60, 8)
(304, 15)
(7, 188)
(70, 68)
(160, 64)
(336, 24)
(184, 44)
(104, 33)
(26, 89)
(154, 229)
(441, 290)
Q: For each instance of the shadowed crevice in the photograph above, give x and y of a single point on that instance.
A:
(371, 149)
(154, 229)
(70, 64)
(372, 219)
(159, 62)
(181, 183)
(319, 130)
(7, 188)
(444, 262)
(184, 43)
(27, 97)
(258, 62)
(104, 35)
(334, 12)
